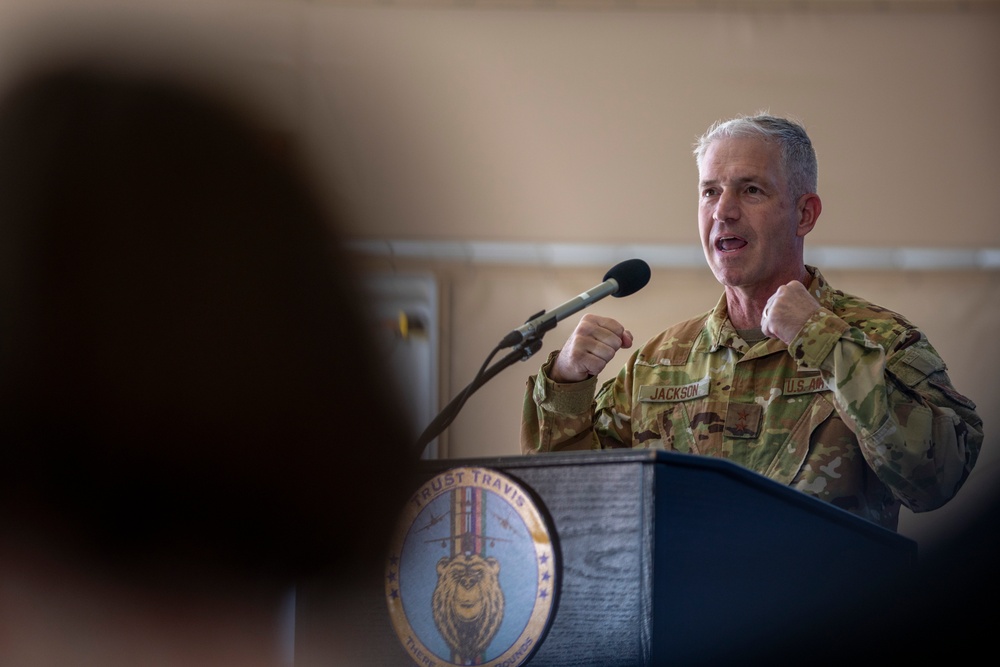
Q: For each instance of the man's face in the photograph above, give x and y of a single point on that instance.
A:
(748, 223)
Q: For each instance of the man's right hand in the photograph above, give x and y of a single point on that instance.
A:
(590, 347)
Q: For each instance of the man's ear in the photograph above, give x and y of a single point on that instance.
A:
(809, 208)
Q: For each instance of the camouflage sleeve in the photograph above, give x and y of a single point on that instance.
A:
(558, 417)
(919, 435)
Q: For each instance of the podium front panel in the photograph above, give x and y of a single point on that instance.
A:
(663, 558)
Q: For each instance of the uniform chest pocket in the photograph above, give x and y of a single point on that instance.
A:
(790, 430)
(659, 420)
(694, 427)
(772, 439)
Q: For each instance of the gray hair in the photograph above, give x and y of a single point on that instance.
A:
(797, 155)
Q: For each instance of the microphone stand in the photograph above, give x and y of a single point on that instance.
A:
(623, 279)
(520, 352)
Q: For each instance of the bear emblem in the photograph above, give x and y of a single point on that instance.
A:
(468, 603)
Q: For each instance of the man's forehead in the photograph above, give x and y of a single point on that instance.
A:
(739, 159)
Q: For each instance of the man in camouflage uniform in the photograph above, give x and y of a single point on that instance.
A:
(837, 397)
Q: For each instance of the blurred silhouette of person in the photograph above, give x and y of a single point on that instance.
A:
(193, 415)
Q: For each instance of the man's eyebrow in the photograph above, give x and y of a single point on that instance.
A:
(742, 180)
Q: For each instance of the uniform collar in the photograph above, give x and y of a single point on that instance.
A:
(721, 332)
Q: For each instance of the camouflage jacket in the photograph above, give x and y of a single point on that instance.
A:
(858, 411)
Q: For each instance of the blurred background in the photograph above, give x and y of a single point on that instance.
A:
(498, 157)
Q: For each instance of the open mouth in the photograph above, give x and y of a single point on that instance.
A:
(729, 243)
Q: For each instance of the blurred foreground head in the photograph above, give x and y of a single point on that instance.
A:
(187, 385)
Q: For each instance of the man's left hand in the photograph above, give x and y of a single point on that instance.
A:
(787, 311)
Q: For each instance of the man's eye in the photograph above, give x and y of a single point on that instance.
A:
(708, 192)
(753, 189)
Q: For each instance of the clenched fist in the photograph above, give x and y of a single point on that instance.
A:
(787, 311)
(590, 347)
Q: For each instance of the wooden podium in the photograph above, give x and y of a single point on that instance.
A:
(667, 558)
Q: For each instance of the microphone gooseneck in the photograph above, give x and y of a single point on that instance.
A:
(622, 279)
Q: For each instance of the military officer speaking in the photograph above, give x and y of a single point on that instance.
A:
(824, 391)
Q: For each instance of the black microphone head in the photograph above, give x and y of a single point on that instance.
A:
(631, 276)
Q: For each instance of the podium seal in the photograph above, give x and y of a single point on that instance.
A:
(471, 577)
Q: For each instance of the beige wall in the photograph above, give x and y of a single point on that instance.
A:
(547, 125)
(555, 125)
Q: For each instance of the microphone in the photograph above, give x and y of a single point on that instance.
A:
(622, 279)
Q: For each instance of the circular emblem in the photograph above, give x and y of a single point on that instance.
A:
(471, 577)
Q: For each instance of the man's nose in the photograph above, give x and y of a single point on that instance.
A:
(727, 207)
